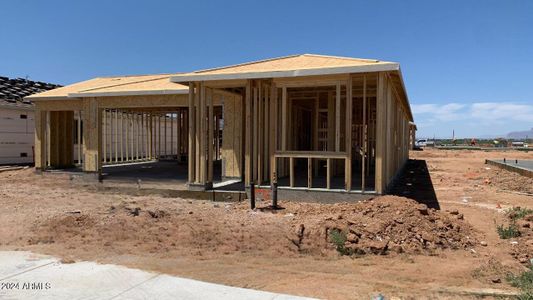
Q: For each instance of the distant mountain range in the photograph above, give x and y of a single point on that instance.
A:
(520, 134)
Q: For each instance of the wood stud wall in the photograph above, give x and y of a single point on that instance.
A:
(136, 135)
(207, 106)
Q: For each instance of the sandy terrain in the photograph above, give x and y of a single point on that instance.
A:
(401, 248)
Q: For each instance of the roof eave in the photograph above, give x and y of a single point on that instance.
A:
(43, 98)
(290, 73)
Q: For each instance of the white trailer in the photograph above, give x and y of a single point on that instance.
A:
(16, 133)
(17, 119)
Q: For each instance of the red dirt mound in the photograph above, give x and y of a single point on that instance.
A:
(380, 226)
(397, 224)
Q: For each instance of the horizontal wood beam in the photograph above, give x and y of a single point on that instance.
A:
(311, 154)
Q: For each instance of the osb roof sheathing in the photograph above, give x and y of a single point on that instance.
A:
(289, 66)
(296, 66)
(116, 86)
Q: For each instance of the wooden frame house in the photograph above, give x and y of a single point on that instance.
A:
(305, 122)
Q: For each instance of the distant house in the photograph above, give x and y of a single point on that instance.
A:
(16, 119)
(517, 144)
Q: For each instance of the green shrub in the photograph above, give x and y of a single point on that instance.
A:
(524, 282)
(338, 238)
(508, 232)
(517, 213)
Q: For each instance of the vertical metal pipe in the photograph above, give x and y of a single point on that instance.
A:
(274, 186)
(252, 195)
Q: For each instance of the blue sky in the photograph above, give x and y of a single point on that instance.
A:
(467, 65)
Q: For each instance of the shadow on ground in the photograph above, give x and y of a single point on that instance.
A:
(415, 182)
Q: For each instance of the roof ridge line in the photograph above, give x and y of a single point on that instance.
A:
(247, 63)
(138, 75)
(344, 57)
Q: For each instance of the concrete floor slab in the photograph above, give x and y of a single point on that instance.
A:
(24, 275)
(523, 167)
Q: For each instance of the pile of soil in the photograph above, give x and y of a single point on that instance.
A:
(493, 271)
(176, 227)
(383, 225)
(401, 225)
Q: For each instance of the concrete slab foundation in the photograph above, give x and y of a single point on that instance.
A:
(314, 195)
(522, 167)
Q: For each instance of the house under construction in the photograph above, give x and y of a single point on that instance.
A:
(307, 122)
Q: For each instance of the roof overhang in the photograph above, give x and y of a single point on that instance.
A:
(409, 112)
(128, 93)
(185, 78)
(74, 96)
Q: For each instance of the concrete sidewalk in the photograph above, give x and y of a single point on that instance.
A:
(25, 275)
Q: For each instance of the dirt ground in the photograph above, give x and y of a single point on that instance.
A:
(400, 248)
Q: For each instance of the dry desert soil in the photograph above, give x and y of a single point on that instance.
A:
(444, 247)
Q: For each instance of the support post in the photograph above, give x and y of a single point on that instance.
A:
(203, 135)
(284, 128)
(121, 136)
(328, 173)
(40, 139)
(365, 139)
(105, 119)
(348, 136)
(115, 137)
(192, 149)
(128, 140)
(248, 134)
(136, 136)
(92, 137)
(165, 118)
(338, 118)
(172, 135)
(381, 121)
(159, 139)
(284, 119)
(198, 133)
(48, 139)
(255, 134)
(309, 172)
(291, 171)
(149, 128)
(273, 133)
(259, 136)
(210, 138)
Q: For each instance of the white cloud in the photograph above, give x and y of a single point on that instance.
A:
(423, 108)
(473, 118)
(502, 111)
